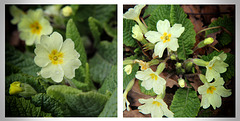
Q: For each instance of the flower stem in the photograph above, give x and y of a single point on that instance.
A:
(215, 27)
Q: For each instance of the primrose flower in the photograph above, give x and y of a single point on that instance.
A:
(156, 107)
(151, 80)
(67, 11)
(137, 33)
(57, 58)
(212, 93)
(33, 25)
(165, 37)
(15, 88)
(216, 66)
(16, 13)
(133, 13)
(144, 65)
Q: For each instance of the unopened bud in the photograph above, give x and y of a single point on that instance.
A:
(178, 65)
(15, 88)
(188, 66)
(208, 41)
(28, 90)
(181, 82)
(137, 33)
(128, 69)
(173, 57)
(67, 11)
(200, 62)
(160, 68)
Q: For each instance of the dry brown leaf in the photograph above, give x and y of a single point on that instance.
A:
(209, 12)
(191, 9)
(135, 93)
(133, 113)
(196, 82)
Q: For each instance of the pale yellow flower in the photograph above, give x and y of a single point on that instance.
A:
(57, 58)
(32, 26)
(156, 107)
(67, 11)
(16, 13)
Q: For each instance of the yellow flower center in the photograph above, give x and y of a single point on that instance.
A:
(56, 57)
(166, 37)
(211, 67)
(211, 89)
(36, 27)
(153, 76)
(157, 103)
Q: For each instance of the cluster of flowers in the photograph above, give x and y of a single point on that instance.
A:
(57, 59)
(167, 37)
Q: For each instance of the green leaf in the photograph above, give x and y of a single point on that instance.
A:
(128, 78)
(38, 83)
(110, 108)
(150, 9)
(72, 33)
(58, 91)
(19, 107)
(86, 103)
(230, 61)
(147, 92)
(20, 62)
(103, 60)
(224, 38)
(101, 12)
(50, 105)
(110, 83)
(175, 14)
(128, 40)
(95, 28)
(185, 103)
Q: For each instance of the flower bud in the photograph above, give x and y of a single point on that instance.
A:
(67, 11)
(181, 82)
(200, 62)
(137, 33)
(208, 41)
(160, 68)
(178, 65)
(173, 57)
(188, 66)
(128, 69)
(15, 88)
(28, 90)
(144, 65)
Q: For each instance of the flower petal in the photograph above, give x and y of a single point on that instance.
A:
(204, 102)
(53, 71)
(148, 84)
(156, 112)
(163, 26)
(220, 90)
(220, 66)
(159, 49)
(70, 66)
(41, 58)
(57, 74)
(215, 100)
(173, 44)
(46, 27)
(210, 74)
(202, 89)
(153, 36)
(55, 41)
(176, 30)
(68, 50)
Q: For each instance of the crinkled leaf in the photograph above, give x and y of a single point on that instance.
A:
(224, 38)
(185, 103)
(50, 105)
(86, 103)
(175, 14)
(38, 83)
(110, 108)
(128, 40)
(72, 33)
(58, 91)
(101, 12)
(147, 92)
(20, 107)
(110, 83)
(20, 62)
(128, 78)
(103, 60)
(230, 60)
